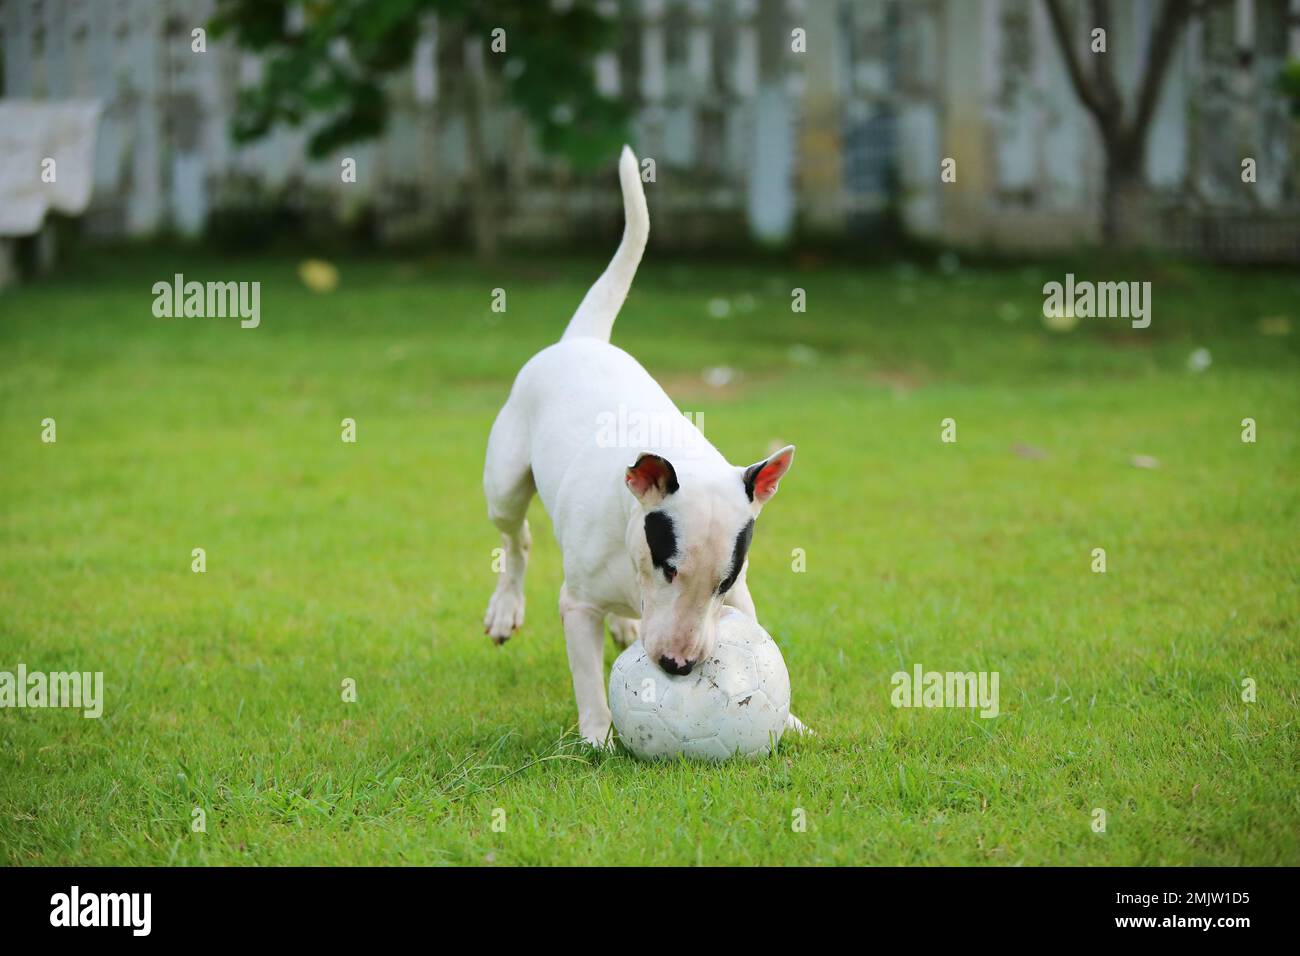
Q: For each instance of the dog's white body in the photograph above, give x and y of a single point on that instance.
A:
(554, 411)
(548, 439)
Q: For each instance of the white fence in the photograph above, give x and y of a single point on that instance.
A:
(746, 132)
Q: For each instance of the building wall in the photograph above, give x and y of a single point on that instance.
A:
(745, 131)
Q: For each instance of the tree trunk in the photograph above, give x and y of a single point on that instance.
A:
(1126, 204)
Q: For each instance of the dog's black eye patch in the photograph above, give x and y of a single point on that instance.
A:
(661, 537)
(738, 554)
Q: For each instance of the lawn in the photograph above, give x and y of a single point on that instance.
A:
(372, 561)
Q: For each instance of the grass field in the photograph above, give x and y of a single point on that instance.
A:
(372, 561)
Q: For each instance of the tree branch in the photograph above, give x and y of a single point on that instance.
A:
(1174, 15)
(1108, 91)
(1090, 97)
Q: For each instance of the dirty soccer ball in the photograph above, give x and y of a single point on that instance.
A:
(733, 703)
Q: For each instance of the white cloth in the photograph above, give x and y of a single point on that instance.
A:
(32, 131)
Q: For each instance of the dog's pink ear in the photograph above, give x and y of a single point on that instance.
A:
(651, 479)
(761, 479)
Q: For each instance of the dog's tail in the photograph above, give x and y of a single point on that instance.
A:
(595, 316)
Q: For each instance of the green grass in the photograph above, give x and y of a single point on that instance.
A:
(325, 560)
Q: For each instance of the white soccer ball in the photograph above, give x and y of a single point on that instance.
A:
(733, 703)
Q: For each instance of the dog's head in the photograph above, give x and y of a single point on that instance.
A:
(689, 544)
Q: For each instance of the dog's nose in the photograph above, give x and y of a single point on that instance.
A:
(671, 665)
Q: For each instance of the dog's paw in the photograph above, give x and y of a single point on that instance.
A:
(505, 614)
(795, 725)
(597, 734)
(624, 630)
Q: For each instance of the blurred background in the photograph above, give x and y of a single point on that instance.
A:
(991, 124)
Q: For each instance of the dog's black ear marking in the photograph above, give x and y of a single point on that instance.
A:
(672, 477)
(738, 554)
(652, 472)
(762, 478)
(662, 538)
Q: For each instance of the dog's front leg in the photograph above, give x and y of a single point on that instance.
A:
(584, 637)
(738, 597)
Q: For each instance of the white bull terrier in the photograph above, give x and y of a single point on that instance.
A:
(659, 545)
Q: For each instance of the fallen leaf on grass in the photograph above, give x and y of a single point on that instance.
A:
(1033, 453)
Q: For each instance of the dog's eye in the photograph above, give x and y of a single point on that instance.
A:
(670, 572)
(738, 555)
